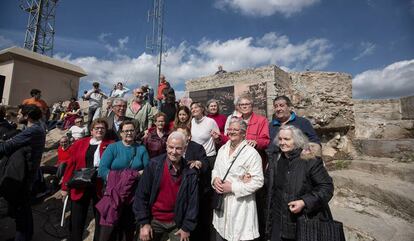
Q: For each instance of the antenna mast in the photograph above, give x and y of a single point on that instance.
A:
(155, 42)
(40, 29)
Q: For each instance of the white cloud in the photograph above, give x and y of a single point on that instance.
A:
(265, 7)
(184, 62)
(366, 49)
(395, 80)
(117, 49)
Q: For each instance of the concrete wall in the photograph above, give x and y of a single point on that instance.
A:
(6, 69)
(54, 85)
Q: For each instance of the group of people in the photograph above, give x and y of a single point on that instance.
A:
(182, 172)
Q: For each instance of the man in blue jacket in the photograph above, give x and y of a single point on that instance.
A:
(284, 115)
(166, 200)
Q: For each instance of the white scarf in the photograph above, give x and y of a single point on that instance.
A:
(96, 155)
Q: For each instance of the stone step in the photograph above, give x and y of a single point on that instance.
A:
(402, 149)
(364, 226)
(384, 166)
(389, 191)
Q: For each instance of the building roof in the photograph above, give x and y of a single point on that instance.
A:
(42, 60)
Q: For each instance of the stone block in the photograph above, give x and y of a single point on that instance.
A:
(407, 107)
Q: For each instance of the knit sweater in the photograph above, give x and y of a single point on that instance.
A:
(117, 156)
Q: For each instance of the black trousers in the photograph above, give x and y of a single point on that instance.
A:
(123, 231)
(21, 211)
(79, 212)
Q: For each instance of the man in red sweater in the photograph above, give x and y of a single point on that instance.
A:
(166, 202)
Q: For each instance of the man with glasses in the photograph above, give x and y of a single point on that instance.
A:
(119, 107)
(140, 110)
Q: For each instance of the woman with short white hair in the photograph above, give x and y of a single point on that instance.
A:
(297, 184)
(238, 219)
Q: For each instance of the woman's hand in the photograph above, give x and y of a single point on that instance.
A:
(227, 187)
(216, 135)
(218, 185)
(63, 194)
(246, 178)
(252, 143)
(296, 206)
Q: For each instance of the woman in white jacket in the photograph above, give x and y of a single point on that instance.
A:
(238, 218)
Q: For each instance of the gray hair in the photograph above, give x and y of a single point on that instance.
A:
(213, 101)
(299, 139)
(118, 100)
(243, 97)
(176, 135)
(241, 122)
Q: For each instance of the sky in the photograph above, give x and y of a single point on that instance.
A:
(373, 40)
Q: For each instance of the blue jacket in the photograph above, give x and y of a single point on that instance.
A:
(186, 206)
(35, 137)
(302, 123)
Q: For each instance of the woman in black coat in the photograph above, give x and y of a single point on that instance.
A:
(297, 183)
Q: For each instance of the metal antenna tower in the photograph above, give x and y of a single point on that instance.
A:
(40, 30)
(155, 41)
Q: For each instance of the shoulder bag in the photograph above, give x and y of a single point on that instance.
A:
(218, 198)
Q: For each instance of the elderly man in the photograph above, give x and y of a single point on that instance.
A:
(140, 110)
(119, 107)
(166, 202)
(283, 115)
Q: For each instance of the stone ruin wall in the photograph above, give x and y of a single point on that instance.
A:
(325, 98)
(384, 119)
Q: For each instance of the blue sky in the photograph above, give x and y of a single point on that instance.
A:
(373, 40)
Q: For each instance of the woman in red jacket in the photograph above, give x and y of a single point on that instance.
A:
(86, 153)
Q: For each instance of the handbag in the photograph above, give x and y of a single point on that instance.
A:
(83, 178)
(218, 198)
(319, 230)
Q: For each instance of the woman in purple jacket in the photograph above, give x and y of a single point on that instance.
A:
(156, 139)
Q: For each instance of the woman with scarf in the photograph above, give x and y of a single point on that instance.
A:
(86, 153)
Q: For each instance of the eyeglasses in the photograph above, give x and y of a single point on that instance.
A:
(121, 106)
(128, 131)
(99, 128)
(245, 104)
(232, 129)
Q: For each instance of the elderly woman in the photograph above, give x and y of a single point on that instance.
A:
(118, 156)
(214, 113)
(238, 220)
(156, 139)
(297, 184)
(85, 153)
